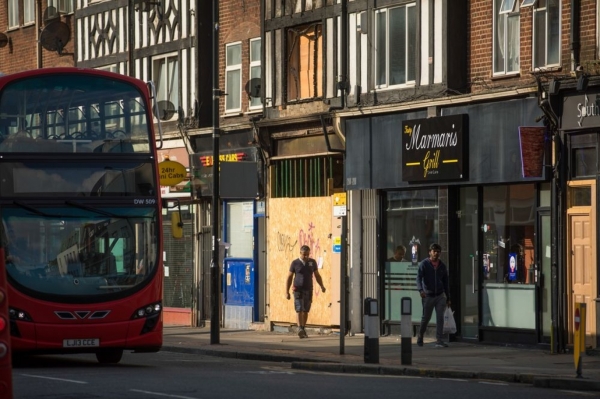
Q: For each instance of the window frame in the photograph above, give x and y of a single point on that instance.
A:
(504, 7)
(310, 35)
(61, 7)
(505, 18)
(165, 58)
(253, 65)
(388, 49)
(28, 12)
(545, 10)
(229, 90)
(13, 14)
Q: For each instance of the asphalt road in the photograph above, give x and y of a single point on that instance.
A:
(185, 376)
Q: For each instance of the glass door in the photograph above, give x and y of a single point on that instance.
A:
(543, 276)
(469, 265)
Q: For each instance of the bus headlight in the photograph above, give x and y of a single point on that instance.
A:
(18, 314)
(148, 310)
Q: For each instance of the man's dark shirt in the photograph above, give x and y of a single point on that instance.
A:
(303, 273)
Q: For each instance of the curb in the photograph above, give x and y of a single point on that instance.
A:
(311, 364)
(575, 384)
(415, 372)
(265, 357)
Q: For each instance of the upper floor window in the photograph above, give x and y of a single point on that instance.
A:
(305, 62)
(546, 33)
(255, 72)
(13, 13)
(59, 6)
(233, 77)
(506, 37)
(28, 12)
(395, 46)
(165, 73)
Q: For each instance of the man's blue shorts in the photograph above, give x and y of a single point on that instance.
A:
(303, 300)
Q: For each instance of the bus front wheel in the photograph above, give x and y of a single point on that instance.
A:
(109, 356)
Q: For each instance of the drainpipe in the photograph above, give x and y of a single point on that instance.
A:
(38, 28)
(342, 85)
(575, 33)
(130, 39)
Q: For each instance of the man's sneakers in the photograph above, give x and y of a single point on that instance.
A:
(441, 344)
(302, 333)
(420, 340)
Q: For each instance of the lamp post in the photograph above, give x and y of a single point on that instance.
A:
(215, 267)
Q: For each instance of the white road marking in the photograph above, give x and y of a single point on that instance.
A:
(582, 393)
(162, 394)
(493, 383)
(52, 378)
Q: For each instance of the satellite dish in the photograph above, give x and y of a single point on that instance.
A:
(166, 110)
(55, 36)
(3, 40)
(253, 88)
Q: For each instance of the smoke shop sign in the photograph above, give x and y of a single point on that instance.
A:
(435, 149)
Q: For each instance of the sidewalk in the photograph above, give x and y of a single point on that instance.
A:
(459, 360)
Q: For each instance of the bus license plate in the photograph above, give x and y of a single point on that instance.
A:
(81, 343)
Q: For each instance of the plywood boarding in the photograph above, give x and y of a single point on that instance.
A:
(294, 222)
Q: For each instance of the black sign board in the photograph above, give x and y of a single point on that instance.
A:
(435, 149)
(236, 181)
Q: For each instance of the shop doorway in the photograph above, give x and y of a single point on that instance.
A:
(469, 263)
(581, 264)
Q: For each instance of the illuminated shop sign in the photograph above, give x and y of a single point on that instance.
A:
(435, 149)
(245, 169)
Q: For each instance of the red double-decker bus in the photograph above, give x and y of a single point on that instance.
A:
(80, 213)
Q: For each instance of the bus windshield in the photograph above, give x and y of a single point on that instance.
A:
(73, 113)
(78, 253)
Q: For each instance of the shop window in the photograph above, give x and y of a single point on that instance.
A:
(178, 261)
(411, 219)
(305, 62)
(583, 162)
(506, 37)
(395, 46)
(509, 256)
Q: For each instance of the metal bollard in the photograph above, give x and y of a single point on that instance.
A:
(371, 323)
(406, 330)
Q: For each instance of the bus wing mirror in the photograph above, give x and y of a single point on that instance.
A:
(176, 224)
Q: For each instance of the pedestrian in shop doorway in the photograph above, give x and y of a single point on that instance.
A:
(399, 253)
(301, 274)
(432, 283)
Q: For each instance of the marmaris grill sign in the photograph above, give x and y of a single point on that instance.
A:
(435, 149)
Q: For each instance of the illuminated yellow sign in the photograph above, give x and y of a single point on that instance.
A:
(171, 173)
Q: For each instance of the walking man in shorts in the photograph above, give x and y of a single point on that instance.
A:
(301, 273)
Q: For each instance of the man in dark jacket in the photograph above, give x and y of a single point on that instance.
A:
(432, 283)
(301, 272)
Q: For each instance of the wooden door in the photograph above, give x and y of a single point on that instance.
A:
(582, 267)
